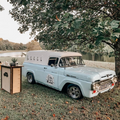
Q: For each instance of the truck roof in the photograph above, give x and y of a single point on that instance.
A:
(42, 56)
(54, 53)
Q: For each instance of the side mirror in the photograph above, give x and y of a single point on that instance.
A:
(52, 65)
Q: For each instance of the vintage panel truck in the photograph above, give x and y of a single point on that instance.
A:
(66, 70)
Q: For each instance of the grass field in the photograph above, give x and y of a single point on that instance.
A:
(37, 102)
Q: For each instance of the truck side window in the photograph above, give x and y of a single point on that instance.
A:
(62, 62)
(34, 58)
(27, 57)
(40, 58)
(53, 60)
(37, 58)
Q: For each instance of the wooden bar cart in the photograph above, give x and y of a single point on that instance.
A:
(11, 78)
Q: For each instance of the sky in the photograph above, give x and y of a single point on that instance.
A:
(9, 27)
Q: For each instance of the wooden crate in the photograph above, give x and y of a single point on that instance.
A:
(11, 78)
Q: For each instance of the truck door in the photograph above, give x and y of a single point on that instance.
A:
(51, 73)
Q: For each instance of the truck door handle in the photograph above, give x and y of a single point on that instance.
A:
(45, 68)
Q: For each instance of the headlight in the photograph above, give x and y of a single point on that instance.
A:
(95, 86)
(114, 79)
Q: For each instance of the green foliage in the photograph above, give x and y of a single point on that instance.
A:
(60, 24)
(14, 60)
(114, 24)
(1, 8)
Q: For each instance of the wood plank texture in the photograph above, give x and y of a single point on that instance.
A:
(16, 80)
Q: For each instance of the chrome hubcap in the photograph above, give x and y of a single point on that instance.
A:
(74, 92)
(29, 78)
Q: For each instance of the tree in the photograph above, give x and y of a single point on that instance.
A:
(62, 23)
(22, 46)
(1, 39)
(2, 45)
(8, 45)
(33, 45)
(1, 8)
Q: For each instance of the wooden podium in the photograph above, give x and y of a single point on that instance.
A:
(11, 78)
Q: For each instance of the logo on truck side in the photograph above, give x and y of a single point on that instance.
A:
(50, 79)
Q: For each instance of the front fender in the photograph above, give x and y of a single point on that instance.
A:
(71, 81)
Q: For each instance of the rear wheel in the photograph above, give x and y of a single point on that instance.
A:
(74, 91)
(30, 78)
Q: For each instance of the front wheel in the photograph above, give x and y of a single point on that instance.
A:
(30, 78)
(74, 91)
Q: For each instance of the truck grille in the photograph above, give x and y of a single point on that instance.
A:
(105, 84)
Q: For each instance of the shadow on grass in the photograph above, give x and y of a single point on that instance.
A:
(42, 89)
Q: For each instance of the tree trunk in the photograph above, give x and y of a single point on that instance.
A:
(117, 59)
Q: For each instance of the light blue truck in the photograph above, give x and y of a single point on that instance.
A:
(67, 71)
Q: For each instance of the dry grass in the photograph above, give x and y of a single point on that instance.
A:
(99, 64)
(37, 102)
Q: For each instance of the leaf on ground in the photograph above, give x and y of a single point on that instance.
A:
(38, 113)
(70, 112)
(19, 103)
(66, 102)
(71, 108)
(83, 108)
(50, 104)
(118, 103)
(33, 94)
(98, 118)
(4, 107)
(108, 118)
(6, 118)
(33, 113)
(96, 113)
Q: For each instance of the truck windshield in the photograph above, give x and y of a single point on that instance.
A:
(71, 61)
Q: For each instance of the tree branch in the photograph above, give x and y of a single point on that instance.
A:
(112, 46)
